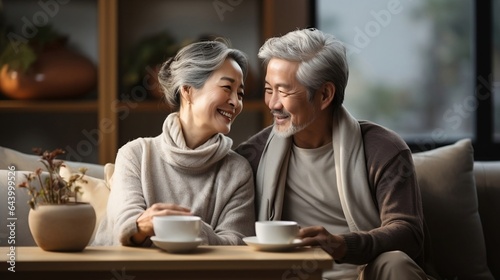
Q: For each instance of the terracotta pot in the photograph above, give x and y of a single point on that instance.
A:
(58, 73)
(63, 227)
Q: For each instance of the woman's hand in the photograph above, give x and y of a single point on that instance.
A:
(145, 220)
(319, 236)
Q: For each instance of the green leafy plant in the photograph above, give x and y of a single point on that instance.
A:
(150, 51)
(20, 55)
(53, 189)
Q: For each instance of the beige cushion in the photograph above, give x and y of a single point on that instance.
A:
(446, 180)
(95, 192)
(109, 169)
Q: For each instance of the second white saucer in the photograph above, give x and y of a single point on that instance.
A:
(176, 246)
(254, 242)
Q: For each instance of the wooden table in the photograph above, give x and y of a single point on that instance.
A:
(129, 263)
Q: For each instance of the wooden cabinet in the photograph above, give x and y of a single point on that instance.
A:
(92, 128)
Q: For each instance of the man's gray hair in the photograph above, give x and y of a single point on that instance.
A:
(322, 59)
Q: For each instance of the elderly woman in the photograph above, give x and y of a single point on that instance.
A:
(189, 169)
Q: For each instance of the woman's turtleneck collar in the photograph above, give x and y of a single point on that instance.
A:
(172, 146)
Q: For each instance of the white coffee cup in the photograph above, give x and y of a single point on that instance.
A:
(177, 228)
(276, 232)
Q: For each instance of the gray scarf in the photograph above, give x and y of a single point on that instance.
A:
(352, 181)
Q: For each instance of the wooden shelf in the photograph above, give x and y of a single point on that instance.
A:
(32, 106)
(247, 24)
(151, 106)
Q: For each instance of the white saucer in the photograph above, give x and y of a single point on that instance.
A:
(176, 246)
(252, 241)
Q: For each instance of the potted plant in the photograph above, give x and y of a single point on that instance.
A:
(57, 220)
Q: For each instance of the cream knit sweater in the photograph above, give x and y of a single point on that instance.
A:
(212, 180)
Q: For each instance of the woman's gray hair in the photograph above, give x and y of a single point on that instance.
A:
(193, 65)
(321, 56)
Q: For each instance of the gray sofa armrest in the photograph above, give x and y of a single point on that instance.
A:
(30, 162)
(487, 177)
(14, 229)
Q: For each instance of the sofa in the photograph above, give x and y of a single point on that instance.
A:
(460, 196)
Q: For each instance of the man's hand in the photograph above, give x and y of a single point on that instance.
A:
(319, 236)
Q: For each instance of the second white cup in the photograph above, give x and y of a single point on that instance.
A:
(177, 228)
(276, 232)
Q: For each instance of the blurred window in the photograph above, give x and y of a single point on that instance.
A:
(412, 65)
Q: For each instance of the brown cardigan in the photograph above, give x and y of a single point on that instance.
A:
(394, 188)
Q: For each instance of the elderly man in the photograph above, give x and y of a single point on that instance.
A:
(350, 184)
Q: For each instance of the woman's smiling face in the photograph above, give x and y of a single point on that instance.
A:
(215, 106)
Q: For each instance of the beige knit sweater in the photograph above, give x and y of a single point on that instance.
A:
(212, 180)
